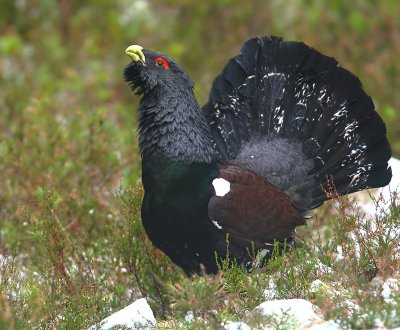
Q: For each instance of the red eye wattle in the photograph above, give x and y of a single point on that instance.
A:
(161, 62)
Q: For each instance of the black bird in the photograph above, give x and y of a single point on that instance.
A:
(281, 122)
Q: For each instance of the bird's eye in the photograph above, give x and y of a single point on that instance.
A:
(161, 62)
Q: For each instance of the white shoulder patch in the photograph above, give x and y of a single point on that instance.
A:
(221, 186)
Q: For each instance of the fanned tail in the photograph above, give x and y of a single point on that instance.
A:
(295, 116)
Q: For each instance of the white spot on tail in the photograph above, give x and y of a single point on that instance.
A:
(216, 224)
(221, 186)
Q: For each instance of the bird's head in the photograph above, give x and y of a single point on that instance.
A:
(171, 123)
(152, 72)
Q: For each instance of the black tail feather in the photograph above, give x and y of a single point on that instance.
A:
(292, 91)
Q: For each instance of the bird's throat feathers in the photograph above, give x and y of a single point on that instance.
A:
(172, 126)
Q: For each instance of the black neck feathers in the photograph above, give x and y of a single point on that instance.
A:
(172, 125)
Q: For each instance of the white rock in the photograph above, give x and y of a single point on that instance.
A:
(394, 184)
(236, 326)
(383, 194)
(189, 317)
(271, 291)
(300, 311)
(328, 325)
(389, 287)
(318, 286)
(137, 315)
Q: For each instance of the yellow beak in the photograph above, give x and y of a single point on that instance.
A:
(136, 54)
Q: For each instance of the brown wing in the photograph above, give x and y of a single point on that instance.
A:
(253, 210)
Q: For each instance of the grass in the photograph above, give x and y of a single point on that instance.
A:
(57, 278)
(72, 244)
(75, 249)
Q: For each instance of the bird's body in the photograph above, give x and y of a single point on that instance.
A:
(281, 119)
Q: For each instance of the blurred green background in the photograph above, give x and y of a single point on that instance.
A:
(68, 120)
(67, 56)
(65, 107)
(68, 124)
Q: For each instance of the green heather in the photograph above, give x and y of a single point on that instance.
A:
(70, 194)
